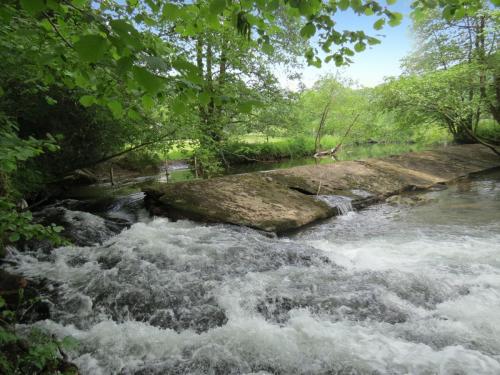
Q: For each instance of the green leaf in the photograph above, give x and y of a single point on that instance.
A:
(132, 3)
(379, 24)
(87, 100)
(339, 60)
(343, 4)
(79, 3)
(147, 102)
(57, 228)
(91, 48)
(151, 83)
(33, 6)
(245, 107)
(179, 106)
(115, 108)
(189, 70)
(359, 47)
(2, 93)
(170, 12)
(396, 19)
(14, 237)
(217, 6)
(357, 5)
(50, 100)
(368, 11)
(204, 98)
(308, 30)
(418, 15)
(459, 13)
(45, 24)
(124, 64)
(267, 48)
(391, 2)
(133, 115)
(81, 80)
(127, 33)
(496, 3)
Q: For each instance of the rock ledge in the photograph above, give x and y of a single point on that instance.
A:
(282, 200)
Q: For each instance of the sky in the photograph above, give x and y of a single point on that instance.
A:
(376, 62)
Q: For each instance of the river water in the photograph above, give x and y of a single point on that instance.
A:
(387, 290)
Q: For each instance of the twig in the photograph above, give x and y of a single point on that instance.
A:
(57, 31)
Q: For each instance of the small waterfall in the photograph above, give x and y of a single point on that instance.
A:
(341, 203)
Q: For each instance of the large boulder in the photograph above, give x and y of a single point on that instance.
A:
(250, 199)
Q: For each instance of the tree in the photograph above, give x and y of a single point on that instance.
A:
(457, 57)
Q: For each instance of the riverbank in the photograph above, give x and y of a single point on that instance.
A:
(287, 199)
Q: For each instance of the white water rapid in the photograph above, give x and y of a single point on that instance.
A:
(387, 290)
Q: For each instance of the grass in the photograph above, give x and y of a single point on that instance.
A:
(489, 129)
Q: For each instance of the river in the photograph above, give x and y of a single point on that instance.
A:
(386, 290)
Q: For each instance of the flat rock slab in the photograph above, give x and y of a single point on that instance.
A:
(248, 199)
(282, 200)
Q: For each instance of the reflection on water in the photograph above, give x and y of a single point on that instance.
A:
(387, 290)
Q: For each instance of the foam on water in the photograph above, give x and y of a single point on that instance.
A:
(388, 290)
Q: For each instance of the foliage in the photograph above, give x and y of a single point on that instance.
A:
(452, 76)
(436, 97)
(243, 152)
(153, 63)
(36, 353)
(128, 74)
(106, 36)
(16, 223)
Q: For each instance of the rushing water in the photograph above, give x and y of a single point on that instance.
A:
(388, 290)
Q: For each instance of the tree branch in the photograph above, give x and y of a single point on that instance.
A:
(57, 31)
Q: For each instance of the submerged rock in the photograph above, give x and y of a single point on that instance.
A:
(80, 228)
(408, 200)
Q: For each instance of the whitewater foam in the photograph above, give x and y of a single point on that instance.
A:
(389, 290)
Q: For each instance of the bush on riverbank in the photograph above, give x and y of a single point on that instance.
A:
(244, 152)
